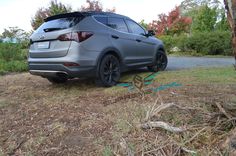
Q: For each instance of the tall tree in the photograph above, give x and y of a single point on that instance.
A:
(53, 9)
(39, 17)
(205, 20)
(15, 33)
(95, 5)
(230, 6)
(58, 8)
(222, 24)
(188, 5)
(171, 24)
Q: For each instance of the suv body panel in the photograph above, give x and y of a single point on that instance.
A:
(133, 50)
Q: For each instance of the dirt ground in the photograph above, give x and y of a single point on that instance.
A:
(79, 118)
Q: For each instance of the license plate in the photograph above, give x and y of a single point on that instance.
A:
(43, 45)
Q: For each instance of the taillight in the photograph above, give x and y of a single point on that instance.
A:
(65, 37)
(75, 36)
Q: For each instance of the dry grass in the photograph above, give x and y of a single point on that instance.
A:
(78, 118)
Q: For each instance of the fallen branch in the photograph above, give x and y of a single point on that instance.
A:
(223, 111)
(163, 125)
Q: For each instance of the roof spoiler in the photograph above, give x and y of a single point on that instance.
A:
(73, 14)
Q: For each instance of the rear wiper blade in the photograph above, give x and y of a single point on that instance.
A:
(51, 29)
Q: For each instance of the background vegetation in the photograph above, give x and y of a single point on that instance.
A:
(196, 27)
(12, 58)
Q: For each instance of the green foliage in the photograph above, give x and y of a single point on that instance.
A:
(168, 41)
(58, 8)
(12, 58)
(205, 19)
(223, 24)
(211, 43)
(107, 151)
(207, 15)
(10, 51)
(202, 43)
(13, 66)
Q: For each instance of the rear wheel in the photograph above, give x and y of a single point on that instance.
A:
(57, 80)
(109, 71)
(160, 63)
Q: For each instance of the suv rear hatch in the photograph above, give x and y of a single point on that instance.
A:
(49, 40)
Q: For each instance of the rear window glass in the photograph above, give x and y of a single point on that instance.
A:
(59, 24)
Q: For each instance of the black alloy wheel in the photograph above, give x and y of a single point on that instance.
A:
(109, 71)
(160, 64)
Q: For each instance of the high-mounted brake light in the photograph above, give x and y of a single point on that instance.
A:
(75, 36)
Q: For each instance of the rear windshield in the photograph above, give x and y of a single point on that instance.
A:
(58, 24)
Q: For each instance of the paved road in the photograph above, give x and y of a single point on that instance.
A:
(176, 63)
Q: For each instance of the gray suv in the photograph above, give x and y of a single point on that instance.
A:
(93, 44)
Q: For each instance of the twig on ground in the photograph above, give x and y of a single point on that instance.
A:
(154, 111)
(163, 125)
(188, 151)
(126, 148)
(196, 135)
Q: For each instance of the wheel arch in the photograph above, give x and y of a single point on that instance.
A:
(160, 48)
(107, 51)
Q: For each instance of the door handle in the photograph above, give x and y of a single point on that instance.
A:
(138, 40)
(115, 37)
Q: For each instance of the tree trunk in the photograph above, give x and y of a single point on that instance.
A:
(230, 6)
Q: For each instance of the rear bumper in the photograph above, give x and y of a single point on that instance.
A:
(57, 69)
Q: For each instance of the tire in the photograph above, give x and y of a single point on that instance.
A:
(57, 80)
(109, 71)
(160, 62)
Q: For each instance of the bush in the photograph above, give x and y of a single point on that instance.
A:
(168, 41)
(209, 43)
(12, 58)
(13, 66)
(11, 51)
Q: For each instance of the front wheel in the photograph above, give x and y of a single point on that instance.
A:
(160, 63)
(109, 71)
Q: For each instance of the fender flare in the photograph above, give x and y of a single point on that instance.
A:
(106, 51)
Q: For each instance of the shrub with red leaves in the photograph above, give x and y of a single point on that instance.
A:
(171, 24)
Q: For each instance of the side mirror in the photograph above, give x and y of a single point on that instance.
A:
(151, 33)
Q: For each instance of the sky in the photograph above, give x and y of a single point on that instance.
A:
(20, 12)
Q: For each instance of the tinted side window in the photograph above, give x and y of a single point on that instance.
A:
(118, 24)
(135, 28)
(103, 20)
